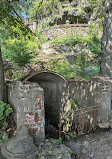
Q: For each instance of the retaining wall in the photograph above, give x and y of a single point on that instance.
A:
(66, 30)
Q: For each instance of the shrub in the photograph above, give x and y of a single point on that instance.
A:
(70, 40)
(63, 67)
(17, 52)
(5, 110)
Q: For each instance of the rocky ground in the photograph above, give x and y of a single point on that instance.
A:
(96, 145)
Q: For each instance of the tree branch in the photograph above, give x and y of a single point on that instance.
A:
(20, 18)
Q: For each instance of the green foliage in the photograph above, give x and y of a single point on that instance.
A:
(59, 141)
(41, 38)
(69, 40)
(3, 136)
(21, 50)
(44, 23)
(94, 43)
(17, 75)
(71, 152)
(17, 52)
(95, 2)
(9, 16)
(39, 154)
(74, 103)
(43, 8)
(63, 67)
(87, 53)
(5, 110)
(70, 135)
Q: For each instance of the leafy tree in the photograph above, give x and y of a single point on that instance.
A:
(4, 33)
(43, 8)
(10, 18)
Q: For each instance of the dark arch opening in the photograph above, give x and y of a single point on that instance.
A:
(54, 85)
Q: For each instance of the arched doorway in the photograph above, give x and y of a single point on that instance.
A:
(54, 85)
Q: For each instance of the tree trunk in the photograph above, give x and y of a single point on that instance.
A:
(1, 77)
(106, 58)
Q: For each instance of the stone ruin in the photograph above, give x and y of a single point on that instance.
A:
(48, 96)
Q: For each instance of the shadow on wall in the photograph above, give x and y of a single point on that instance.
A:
(81, 106)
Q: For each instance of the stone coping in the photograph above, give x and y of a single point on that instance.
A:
(66, 25)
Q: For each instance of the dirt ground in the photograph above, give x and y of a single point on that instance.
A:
(96, 145)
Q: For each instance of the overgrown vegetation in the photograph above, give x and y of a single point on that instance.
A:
(19, 49)
(18, 52)
(63, 67)
(86, 52)
(5, 111)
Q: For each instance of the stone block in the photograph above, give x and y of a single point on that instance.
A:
(19, 147)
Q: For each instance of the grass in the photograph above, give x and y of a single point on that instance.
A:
(69, 40)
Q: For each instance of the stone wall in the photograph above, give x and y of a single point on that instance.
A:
(92, 97)
(91, 93)
(87, 95)
(62, 30)
(65, 30)
(27, 100)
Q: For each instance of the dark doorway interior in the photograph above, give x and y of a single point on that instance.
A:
(54, 86)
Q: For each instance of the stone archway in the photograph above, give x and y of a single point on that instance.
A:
(54, 85)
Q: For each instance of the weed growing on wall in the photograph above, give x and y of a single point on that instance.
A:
(17, 75)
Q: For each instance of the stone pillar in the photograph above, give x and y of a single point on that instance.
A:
(105, 85)
(26, 21)
(34, 25)
(27, 100)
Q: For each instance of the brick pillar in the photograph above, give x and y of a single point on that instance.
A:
(27, 100)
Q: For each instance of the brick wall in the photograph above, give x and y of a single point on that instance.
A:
(91, 93)
(27, 100)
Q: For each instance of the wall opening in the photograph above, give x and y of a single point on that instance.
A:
(54, 85)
